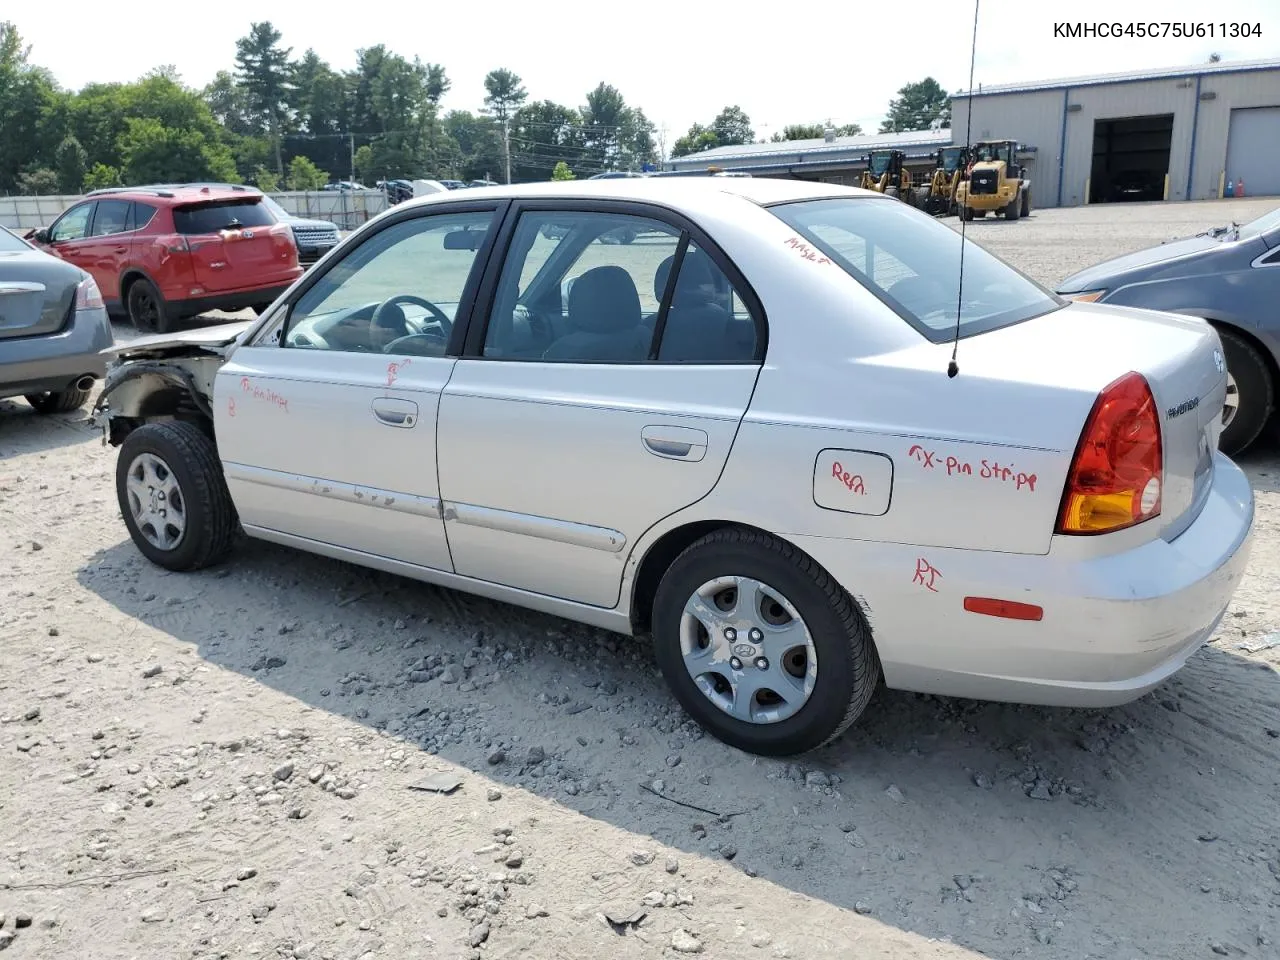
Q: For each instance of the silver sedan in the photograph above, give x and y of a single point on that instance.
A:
(783, 429)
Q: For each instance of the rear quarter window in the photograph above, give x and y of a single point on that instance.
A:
(221, 215)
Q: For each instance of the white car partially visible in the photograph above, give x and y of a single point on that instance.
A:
(736, 434)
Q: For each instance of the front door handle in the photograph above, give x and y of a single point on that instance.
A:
(675, 443)
(395, 412)
(122, 250)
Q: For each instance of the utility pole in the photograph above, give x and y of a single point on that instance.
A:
(506, 143)
(353, 157)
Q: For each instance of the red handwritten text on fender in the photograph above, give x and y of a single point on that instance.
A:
(264, 394)
(987, 469)
(852, 481)
(394, 368)
(926, 574)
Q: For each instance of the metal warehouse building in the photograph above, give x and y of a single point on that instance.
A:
(1180, 134)
(1199, 126)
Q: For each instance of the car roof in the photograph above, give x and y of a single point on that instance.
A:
(181, 192)
(674, 191)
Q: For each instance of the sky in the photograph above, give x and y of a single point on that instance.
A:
(794, 63)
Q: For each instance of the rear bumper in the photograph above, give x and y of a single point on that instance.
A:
(55, 362)
(1114, 627)
(229, 300)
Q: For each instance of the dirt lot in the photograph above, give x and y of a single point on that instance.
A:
(221, 765)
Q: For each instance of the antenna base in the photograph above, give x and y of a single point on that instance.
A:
(953, 368)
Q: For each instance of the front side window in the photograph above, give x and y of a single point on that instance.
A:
(73, 225)
(592, 287)
(912, 263)
(399, 291)
(111, 217)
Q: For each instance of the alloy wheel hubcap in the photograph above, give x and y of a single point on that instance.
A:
(1231, 405)
(748, 649)
(156, 502)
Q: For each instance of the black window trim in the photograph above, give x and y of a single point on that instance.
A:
(689, 231)
(948, 334)
(461, 321)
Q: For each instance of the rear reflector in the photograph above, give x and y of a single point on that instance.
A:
(1007, 609)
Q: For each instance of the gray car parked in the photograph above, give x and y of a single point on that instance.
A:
(53, 327)
(1229, 276)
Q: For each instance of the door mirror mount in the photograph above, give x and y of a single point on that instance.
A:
(40, 236)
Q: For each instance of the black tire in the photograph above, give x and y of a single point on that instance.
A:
(64, 401)
(147, 310)
(848, 667)
(211, 521)
(1026, 203)
(966, 213)
(1255, 389)
(1013, 208)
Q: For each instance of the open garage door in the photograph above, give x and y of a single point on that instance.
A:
(1130, 158)
(1253, 150)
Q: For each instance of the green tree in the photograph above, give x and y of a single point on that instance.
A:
(542, 134)
(229, 102)
(38, 182)
(72, 165)
(503, 95)
(263, 69)
(479, 143)
(321, 112)
(916, 106)
(732, 127)
(610, 129)
(562, 171)
(100, 175)
(153, 152)
(266, 180)
(814, 131)
(305, 175)
(29, 101)
(698, 138)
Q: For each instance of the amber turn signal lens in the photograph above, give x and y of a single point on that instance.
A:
(1089, 296)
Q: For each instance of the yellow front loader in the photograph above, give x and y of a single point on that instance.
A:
(996, 182)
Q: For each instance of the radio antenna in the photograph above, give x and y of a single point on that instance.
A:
(953, 367)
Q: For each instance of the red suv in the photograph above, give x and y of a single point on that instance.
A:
(165, 253)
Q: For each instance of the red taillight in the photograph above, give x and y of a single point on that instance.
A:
(88, 296)
(1117, 474)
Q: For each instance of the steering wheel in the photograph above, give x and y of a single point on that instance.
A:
(446, 325)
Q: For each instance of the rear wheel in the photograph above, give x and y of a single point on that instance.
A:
(760, 645)
(173, 496)
(1250, 394)
(1026, 203)
(147, 310)
(64, 401)
(1013, 208)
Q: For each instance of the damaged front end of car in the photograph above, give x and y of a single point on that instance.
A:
(163, 377)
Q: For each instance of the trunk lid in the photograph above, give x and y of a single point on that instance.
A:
(37, 293)
(235, 243)
(1083, 348)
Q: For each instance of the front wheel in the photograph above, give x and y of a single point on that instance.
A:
(173, 496)
(760, 645)
(1250, 394)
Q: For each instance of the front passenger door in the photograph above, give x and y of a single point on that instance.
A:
(327, 431)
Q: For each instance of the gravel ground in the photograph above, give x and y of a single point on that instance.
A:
(228, 764)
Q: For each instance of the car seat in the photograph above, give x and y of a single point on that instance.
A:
(605, 318)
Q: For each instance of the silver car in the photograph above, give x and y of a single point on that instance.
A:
(53, 327)
(735, 434)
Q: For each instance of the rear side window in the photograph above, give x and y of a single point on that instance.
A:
(221, 215)
(141, 215)
(912, 263)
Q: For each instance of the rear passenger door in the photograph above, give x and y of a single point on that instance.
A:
(603, 394)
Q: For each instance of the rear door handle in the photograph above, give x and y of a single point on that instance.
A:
(122, 250)
(395, 412)
(675, 443)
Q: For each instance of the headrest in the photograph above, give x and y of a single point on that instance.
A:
(604, 300)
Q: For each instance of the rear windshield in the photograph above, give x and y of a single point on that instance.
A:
(221, 215)
(912, 263)
(9, 243)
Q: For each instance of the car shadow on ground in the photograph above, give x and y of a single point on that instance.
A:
(977, 822)
(22, 430)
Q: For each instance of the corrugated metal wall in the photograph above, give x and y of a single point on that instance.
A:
(1261, 89)
(1036, 118)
